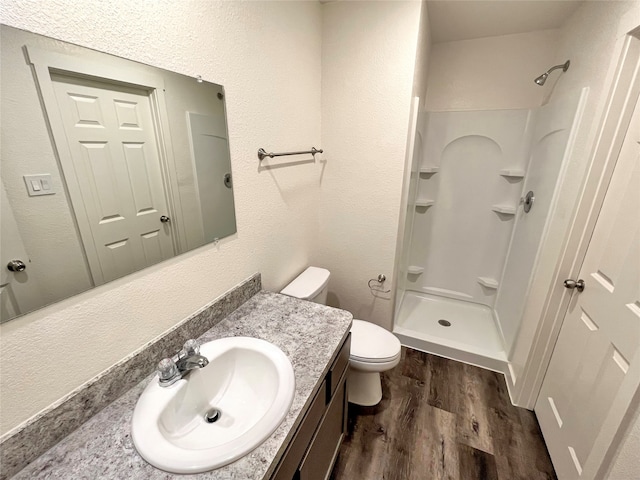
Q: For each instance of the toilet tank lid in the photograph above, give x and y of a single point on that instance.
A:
(308, 284)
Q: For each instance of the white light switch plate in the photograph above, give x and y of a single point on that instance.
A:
(39, 184)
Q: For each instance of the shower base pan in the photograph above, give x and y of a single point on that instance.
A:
(454, 329)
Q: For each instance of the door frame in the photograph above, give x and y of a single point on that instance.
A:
(621, 100)
(43, 63)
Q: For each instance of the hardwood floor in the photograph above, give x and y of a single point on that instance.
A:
(440, 419)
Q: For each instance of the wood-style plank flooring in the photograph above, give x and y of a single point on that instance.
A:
(440, 419)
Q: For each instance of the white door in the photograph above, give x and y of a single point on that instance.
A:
(116, 165)
(19, 291)
(595, 366)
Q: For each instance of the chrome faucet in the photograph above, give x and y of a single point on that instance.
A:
(170, 370)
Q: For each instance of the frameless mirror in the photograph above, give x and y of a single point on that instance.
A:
(108, 166)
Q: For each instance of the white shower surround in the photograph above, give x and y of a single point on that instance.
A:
(470, 238)
(553, 139)
(461, 239)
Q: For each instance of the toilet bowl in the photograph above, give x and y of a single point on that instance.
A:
(373, 349)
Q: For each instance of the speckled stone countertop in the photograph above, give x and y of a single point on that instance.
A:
(308, 333)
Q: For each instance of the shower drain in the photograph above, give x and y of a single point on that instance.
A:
(444, 323)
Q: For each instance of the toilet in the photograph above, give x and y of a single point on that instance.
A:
(373, 349)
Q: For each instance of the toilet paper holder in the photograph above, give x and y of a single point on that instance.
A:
(380, 280)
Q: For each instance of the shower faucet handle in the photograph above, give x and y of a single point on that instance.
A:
(527, 201)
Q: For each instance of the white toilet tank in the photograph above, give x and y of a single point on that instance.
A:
(312, 285)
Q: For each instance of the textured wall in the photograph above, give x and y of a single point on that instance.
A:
(626, 466)
(490, 73)
(272, 81)
(368, 57)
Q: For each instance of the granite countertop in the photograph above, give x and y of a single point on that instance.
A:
(308, 333)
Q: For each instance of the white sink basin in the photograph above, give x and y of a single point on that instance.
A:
(249, 381)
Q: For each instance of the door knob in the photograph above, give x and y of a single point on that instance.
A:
(571, 284)
(16, 266)
(165, 219)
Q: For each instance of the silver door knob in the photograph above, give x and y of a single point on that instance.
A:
(16, 266)
(571, 284)
(165, 219)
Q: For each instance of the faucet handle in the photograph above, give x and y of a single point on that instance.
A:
(167, 370)
(191, 347)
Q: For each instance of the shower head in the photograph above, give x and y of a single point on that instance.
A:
(543, 78)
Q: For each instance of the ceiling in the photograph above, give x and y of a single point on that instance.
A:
(466, 19)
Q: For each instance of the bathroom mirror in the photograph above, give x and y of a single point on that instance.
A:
(108, 166)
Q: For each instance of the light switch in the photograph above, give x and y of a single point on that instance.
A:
(39, 184)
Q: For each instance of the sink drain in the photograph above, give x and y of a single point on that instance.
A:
(444, 323)
(212, 416)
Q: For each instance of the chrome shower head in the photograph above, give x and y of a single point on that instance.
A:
(543, 78)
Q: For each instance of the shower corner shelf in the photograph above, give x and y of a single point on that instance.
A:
(429, 170)
(414, 270)
(504, 209)
(488, 282)
(512, 172)
(424, 203)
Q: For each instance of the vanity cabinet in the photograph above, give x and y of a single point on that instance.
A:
(315, 446)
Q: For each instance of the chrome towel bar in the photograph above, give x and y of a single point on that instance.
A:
(262, 153)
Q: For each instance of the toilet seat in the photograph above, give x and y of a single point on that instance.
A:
(375, 360)
(375, 367)
(372, 344)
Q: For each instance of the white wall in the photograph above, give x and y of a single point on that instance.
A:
(589, 39)
(490, 73)
(267, 55)
(368, 57)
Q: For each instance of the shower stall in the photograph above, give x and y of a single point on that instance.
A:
(482, 188)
